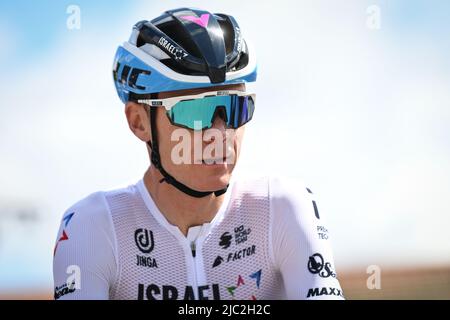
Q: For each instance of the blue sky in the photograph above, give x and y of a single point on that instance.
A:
(362, 118)
(39, 26)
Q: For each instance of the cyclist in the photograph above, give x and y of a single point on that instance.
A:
(187, 229)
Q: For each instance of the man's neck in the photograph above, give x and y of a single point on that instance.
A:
(180, 209)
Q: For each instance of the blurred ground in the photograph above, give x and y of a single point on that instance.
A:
(424, 283)
(403, 284)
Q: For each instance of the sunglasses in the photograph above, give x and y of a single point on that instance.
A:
(198, 112)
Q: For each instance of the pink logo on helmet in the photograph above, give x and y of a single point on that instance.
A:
(202, 21)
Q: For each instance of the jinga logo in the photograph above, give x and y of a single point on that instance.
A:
(145, 261)
(144, 240)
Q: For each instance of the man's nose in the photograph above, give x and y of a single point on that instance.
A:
(219, 120)
(220, 124)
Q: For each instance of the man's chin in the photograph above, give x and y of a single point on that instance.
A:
(214, 183)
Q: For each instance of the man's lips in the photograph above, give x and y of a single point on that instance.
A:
(214, 161)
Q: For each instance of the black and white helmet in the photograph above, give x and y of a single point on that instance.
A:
(182, 49)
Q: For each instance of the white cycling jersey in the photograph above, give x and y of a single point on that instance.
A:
(267, 241)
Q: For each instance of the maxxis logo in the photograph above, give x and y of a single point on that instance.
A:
(327, 291)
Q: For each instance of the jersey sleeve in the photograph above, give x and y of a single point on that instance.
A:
(300, 241)
(84, 261)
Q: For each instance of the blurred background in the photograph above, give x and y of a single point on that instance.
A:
(353, 98)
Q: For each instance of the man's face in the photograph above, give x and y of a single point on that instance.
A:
(188, 155)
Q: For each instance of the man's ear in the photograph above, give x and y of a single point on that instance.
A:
(138, 120)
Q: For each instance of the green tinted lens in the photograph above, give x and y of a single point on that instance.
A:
(186, 113)
(238, 111)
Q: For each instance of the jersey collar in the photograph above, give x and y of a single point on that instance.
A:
(157, 214)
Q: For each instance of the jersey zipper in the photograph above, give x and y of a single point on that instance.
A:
(195, 286)
(193, 248)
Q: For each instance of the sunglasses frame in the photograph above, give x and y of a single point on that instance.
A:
(169, 103)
